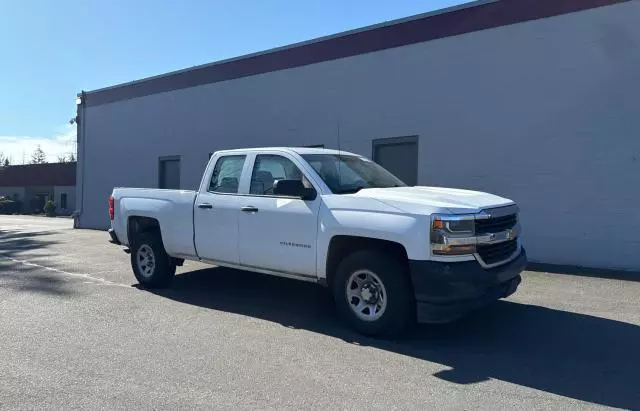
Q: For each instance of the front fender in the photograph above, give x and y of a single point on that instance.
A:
(410, 231)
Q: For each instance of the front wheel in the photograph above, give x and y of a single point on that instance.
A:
(151, 265)
(372, 292)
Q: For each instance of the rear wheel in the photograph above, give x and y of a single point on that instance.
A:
(373, 294)
(151, 265)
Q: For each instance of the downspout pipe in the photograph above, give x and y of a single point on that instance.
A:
(80, 138)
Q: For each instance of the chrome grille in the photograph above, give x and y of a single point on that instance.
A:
(496, 224)
(499, 252)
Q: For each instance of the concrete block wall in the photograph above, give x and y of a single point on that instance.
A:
(543, 112)
(70, 191)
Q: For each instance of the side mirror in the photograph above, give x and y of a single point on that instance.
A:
(293, 188)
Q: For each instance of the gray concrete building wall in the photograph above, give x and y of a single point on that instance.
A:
(543, 112)
(35, 198)
(70, 192)
(11, 192)
(27, 194)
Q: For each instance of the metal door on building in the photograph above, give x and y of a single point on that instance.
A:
(169, 172)
(399, 155)
(38, 202)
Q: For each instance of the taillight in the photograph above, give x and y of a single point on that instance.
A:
(112, 208)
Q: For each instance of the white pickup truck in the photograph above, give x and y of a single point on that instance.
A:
(389, 253)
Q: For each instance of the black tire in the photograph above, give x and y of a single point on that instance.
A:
(393, 272)
(164, 268)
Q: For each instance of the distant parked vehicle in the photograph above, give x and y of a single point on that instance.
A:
(390, 254)
(9, 206)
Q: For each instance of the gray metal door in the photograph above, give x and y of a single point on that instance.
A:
(399, 156)
(169, 173)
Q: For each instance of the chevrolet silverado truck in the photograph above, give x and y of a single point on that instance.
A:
(390, 254)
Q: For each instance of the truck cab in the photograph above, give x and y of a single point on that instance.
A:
(389, 253)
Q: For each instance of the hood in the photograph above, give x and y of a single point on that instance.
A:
(422, 200)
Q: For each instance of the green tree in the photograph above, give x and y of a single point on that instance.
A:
(67, 159)
(38, 156)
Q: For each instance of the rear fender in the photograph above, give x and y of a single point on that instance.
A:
(175, 220)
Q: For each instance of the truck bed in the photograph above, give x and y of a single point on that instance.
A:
(172, 208)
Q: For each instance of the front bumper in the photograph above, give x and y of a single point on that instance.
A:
(447, 291)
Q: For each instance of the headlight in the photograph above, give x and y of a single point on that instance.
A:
(454, 224)
(453, 235)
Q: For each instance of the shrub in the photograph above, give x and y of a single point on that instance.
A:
(50, 208)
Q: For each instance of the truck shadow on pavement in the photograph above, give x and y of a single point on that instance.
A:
(573, 355)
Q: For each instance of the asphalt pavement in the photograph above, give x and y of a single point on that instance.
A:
(76, 333)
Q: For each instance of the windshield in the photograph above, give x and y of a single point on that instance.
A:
(345, 174)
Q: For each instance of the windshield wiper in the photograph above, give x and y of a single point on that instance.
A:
(352, 190)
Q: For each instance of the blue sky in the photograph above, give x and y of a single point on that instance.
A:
(50, 50)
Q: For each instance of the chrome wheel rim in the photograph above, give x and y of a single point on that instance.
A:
(146, 261)
(366, 295)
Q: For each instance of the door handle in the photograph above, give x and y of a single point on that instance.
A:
(249, 209)
(205, 205)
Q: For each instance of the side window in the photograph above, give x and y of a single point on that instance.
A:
(269, 168)
(226, 174)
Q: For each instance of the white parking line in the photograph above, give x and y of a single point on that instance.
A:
(100, 281)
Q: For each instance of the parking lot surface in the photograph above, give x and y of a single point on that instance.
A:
(76, 332)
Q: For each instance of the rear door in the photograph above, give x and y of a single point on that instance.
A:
(278, 233)
(216, 211)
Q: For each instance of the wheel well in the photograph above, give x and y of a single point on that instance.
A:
(139, 225)
(343, 245)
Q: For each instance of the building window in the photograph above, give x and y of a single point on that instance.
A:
(399, 155)
(63, 201)
(226, 174)
(169, 172)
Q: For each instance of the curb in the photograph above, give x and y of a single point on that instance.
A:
(607, 273)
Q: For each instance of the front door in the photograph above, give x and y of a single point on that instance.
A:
(216, 212)
(277, 233)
